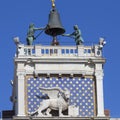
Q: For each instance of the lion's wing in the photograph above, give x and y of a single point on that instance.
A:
(51, 92)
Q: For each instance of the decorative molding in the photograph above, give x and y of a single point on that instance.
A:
(83, 72)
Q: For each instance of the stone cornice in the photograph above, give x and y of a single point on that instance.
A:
(61, 60)
(60, 118)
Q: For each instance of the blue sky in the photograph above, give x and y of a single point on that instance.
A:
(95, 18)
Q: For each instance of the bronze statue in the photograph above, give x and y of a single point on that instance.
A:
(30, 34)
(76, 35)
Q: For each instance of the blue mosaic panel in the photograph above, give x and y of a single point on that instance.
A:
(81, 92)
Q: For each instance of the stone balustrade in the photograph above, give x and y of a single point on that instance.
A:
(59, 51)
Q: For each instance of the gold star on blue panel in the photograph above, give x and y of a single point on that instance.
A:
(81, 91)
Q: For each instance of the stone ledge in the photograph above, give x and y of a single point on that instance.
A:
(60, 118)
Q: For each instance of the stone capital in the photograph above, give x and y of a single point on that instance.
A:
(99, 74)
(21, 75)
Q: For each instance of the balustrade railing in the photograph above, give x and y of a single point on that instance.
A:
(59, 51)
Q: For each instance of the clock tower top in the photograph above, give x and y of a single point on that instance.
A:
(64, 82)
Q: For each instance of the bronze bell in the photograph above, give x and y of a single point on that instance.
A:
(54, 26)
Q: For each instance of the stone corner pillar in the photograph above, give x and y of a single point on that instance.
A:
(20, 93)
(99, 89)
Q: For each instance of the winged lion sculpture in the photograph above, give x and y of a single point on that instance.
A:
(58, 99)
